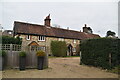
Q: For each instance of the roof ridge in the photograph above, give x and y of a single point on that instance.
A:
(46, 26)
(28, 23)
(65, 29)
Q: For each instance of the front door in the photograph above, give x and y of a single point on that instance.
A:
(70, 50)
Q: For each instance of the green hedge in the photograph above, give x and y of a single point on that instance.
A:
(96, 52)
(59, 48)
(10, 40)
(2, 53)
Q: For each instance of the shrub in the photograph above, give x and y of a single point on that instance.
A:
(2, 53)
(96, 52)
(22, 54)
(40, 53)
(59, 48)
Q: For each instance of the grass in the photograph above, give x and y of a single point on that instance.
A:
(62, 57)
(72, 56)
(115, 70)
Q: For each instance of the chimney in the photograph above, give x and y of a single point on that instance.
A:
(85, 28)
(85, 25)
(47, 21)
(67, 28)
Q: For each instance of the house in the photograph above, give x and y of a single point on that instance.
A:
(37, 37)
(7, 33)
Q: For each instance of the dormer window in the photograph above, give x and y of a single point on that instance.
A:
(41, 38)
(28, 37)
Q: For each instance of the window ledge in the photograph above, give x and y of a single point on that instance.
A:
(27, 39)
(41, 40)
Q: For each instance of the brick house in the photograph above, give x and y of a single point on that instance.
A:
(36, 37)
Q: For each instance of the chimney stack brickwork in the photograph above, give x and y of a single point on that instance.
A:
(47, 21)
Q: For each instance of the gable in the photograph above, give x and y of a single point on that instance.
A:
(33, 43)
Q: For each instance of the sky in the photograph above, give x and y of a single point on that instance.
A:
(100, 15)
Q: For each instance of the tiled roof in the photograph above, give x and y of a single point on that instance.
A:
(35, 29)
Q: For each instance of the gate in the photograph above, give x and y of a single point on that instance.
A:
(31, 60)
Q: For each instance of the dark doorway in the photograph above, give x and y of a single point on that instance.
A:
(70, 50)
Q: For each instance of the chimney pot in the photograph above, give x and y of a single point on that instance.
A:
(85, 25)
(67, 28)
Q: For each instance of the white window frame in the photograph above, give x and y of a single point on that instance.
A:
(74, 41)
(74, 49)
(61, 39)
(28, 37)
(41, 38)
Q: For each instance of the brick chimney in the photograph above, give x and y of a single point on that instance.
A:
(87, 29)
(47, 21)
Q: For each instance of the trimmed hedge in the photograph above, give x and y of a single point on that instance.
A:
(10, 40)
(59, 48)
(96, 52)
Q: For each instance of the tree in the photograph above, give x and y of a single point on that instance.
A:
(110, 33)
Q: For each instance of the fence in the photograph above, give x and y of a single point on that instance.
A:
(12, 47)
(12, 57)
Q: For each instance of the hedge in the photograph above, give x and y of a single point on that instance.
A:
(10, 40)
(59, 48)
(96, 52)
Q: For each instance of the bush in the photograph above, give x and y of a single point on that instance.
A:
(59, 48)
(96, 52)
(40, 53)
(10, 40)
(2, 53)
(22, 54)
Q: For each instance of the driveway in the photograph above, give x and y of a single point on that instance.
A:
(61, 68)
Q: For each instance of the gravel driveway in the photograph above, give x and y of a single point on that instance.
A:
(61, 68)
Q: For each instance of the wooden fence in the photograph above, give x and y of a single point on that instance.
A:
(12, 57)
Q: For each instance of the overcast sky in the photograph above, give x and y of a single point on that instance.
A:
(100, 16)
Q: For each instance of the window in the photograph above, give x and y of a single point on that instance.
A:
(74, 41)
(28, 37)
(41, 38)
(74, 49)
(37, 48)
(61, 39)
(41, 48)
